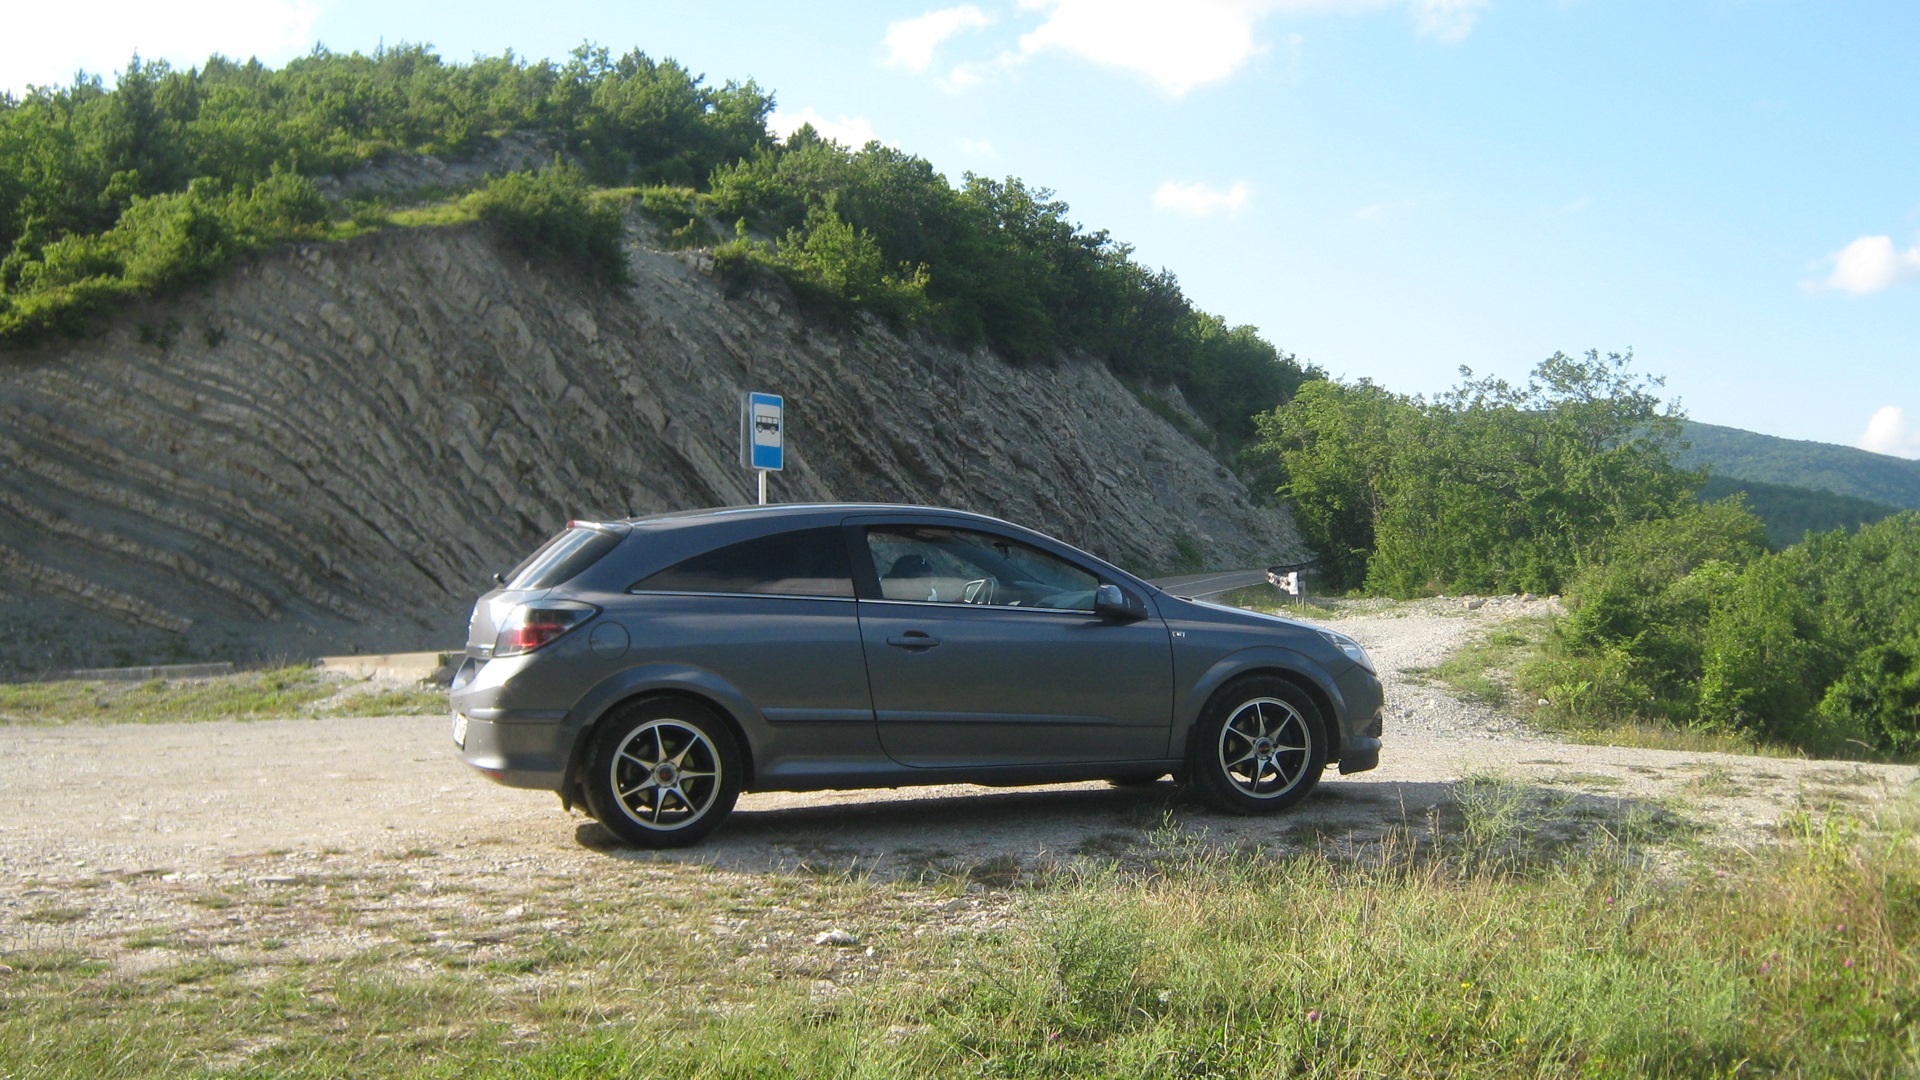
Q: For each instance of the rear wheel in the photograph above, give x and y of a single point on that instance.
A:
(1260, 747)
(663, 773)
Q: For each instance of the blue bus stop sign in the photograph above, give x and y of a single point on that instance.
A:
(762, 431)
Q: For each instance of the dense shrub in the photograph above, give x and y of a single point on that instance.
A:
(554, 215)
(996, 262)
(106, 194)
(1643, 602)
(1686, 621)
(1489, 487)
(159, 242)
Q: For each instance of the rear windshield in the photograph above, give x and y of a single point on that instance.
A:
(562, 557)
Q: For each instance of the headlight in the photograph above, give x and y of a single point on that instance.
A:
(1351, 647)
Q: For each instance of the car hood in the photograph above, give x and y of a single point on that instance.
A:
(1223, 613)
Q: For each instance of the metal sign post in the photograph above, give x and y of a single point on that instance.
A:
(762, 435)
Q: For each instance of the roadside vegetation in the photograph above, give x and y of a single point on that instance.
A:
(1482, 942)
(163, 181)
(270, 694)
(1790, 513)
(1679, 616)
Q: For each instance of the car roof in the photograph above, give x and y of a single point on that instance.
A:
(741, 521)
(778, 511)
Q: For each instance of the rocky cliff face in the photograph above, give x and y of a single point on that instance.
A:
(334, 448)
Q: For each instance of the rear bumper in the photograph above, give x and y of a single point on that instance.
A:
(522, 754)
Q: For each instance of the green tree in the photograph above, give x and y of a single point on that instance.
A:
(1336, 444)
(1490, 487)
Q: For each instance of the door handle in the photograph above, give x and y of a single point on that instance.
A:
(913, 640)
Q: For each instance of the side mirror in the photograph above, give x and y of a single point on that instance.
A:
(1113, 602)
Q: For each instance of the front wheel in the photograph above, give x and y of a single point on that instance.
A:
(1260, 747)
(662, 773)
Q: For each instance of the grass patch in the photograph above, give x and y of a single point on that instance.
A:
(1482, 669)
(281, 691)
(401, 701)
(272, 693)
(1490, 668)
(1426, 954)
(56, 915)
(1717, 782)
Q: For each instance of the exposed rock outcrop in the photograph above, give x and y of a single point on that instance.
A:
(334, 447)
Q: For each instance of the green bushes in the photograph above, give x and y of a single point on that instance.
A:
(1490, 487)
(1687, 621)
(162, 181)
(554, 215)
(992, 262)
(159, 242)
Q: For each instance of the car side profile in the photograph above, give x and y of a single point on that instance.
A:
(653, 669)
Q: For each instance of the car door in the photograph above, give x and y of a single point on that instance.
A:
(773, 617)
(984, 650)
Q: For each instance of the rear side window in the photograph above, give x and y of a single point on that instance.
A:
(562, 558)
(810, 562)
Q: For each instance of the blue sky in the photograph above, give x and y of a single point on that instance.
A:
(1391, 188)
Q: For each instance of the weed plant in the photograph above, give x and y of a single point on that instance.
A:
(1464, 949)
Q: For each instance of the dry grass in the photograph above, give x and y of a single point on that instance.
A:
(1469, 947)
(272, 693)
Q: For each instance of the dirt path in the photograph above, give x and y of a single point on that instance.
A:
(107, 828)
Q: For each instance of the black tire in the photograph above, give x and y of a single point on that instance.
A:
(1259, 747)
(662, 773)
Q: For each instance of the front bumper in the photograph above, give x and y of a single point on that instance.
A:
(1360, 750)
(1359, 755)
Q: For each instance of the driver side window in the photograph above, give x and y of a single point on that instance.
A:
(959, 566)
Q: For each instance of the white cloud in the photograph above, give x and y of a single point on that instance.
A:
(910, 42)
(44, 44)
(978, 148)
(1178, 45)
(1871, 263)
(1447, 21)
(1181, 44)
(1889, 433)
(852, 132)
(1202, 200)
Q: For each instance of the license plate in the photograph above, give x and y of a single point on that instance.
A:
(460, 730)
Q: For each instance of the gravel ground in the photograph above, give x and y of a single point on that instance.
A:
(105, 830)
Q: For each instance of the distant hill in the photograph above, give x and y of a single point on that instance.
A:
(1731, 453)
(1790, 513)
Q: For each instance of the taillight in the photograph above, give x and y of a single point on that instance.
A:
(529, 626)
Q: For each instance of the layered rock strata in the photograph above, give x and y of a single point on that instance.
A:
(333, 448)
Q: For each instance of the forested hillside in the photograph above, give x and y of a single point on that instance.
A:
(1843, 470)
(164, 180)
(1790, 513)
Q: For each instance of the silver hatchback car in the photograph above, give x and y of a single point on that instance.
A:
(653, 669)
